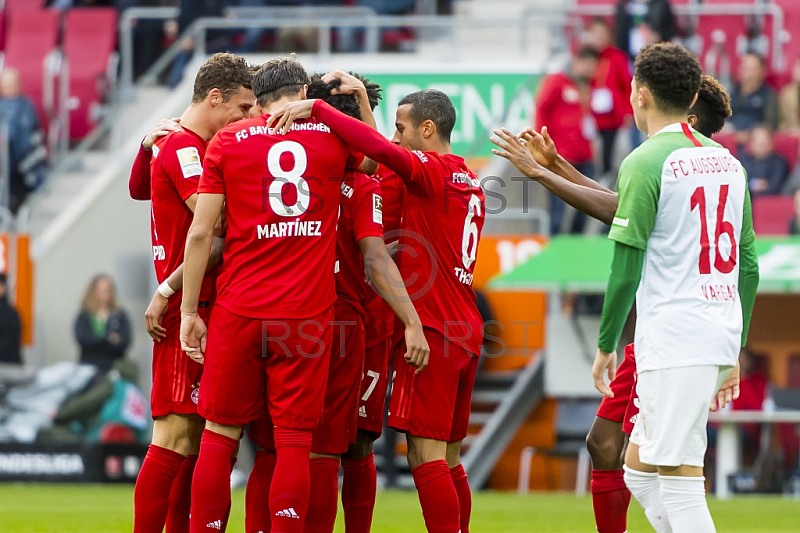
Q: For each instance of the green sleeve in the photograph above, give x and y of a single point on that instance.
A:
(639, 186)
(626, 272)
(748, 267)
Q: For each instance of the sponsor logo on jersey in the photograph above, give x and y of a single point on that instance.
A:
(377, 209)
(216, 524)
(189, 159)
(362, 411)
(295, 228)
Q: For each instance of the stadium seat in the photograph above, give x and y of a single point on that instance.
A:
(727, 140)
(26, 5)
(791, 38)
(787, 145)
(31, 36)
(772, 214)
(89, 39)
(793, 372)
(725, 30)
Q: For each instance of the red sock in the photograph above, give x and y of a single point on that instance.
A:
(153, 486)
(461, 483)
(324, 497)
(610, 499)
(180, 499)
(211, 485)
(289, 493)
(256, 500)
(438, 497)
(228, 512)
(358, 493)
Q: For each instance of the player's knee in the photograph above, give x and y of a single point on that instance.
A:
(361, 448)
(603, 451)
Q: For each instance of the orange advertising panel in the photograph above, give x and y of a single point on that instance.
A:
(501, 253)
(4, 254)
(21, 274)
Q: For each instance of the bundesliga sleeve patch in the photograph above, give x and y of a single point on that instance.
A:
(377, 209)
(621, 222)
(189, 160)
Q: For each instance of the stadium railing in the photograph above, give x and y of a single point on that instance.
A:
(696, 10)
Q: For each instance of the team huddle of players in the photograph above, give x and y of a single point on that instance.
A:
(273, 201)
(269, 213)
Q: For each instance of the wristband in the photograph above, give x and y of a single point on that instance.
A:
(165, 290)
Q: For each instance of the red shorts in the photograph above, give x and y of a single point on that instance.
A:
(374, 382)
(435, 403)
(176, 378)
(338, 427)
(255, 366)
(623, 407)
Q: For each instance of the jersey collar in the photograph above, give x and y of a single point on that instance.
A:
(677, 127)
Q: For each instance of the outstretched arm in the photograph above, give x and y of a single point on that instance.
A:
(596, 202)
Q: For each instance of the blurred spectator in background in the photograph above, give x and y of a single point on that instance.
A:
(789, 103)
(767, 171)
(27, 158)
(753, 102)
(643, 22)
(794, 225)
(752, 392)
(611, 88)
(102, 327)
(10, 327)
(563, 106)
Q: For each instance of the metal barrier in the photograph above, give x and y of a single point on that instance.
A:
(695, 10)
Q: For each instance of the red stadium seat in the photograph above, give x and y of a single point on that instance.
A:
(791, 21)
(89, 40)
(27, 5)
(727, 140)
(30, 37)
(772, 214)
(787, 145)
(733, 28)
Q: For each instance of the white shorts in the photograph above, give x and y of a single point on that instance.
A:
(673, 413)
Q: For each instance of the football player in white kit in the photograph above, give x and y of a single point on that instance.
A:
(685, 250)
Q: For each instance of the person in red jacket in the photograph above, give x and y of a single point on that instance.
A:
(563, 107)
(611, 88)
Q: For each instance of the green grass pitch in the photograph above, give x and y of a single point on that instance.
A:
(33, 508)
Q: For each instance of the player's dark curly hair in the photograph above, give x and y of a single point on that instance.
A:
(278, 78)
(346, 103)
(225, 72)
(671, 72)
(712, 107)
(432, 105)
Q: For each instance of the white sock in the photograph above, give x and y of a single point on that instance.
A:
(685, 501)
(645, 488)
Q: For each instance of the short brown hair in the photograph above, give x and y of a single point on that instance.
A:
(225, 72)
(278, 78)
(671, 72)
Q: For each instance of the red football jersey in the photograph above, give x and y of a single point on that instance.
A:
(175, 170)
(360, 216)
(443, 217)
(379, 317)
(281, 203)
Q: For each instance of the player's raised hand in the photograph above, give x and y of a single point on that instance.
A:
(540, 145)
(417, 349)
(348, 84)
(152, 317)
(164, 127)
(513, 149)
(729, 390)
(283, 119)
(604, 362)
(193, 336)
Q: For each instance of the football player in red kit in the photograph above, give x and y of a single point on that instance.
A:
(443, 215)
(222, 94)
(359, 250)
(281, 197)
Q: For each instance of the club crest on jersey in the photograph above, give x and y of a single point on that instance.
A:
(195, 396)
(377, 209)
(189, 159)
